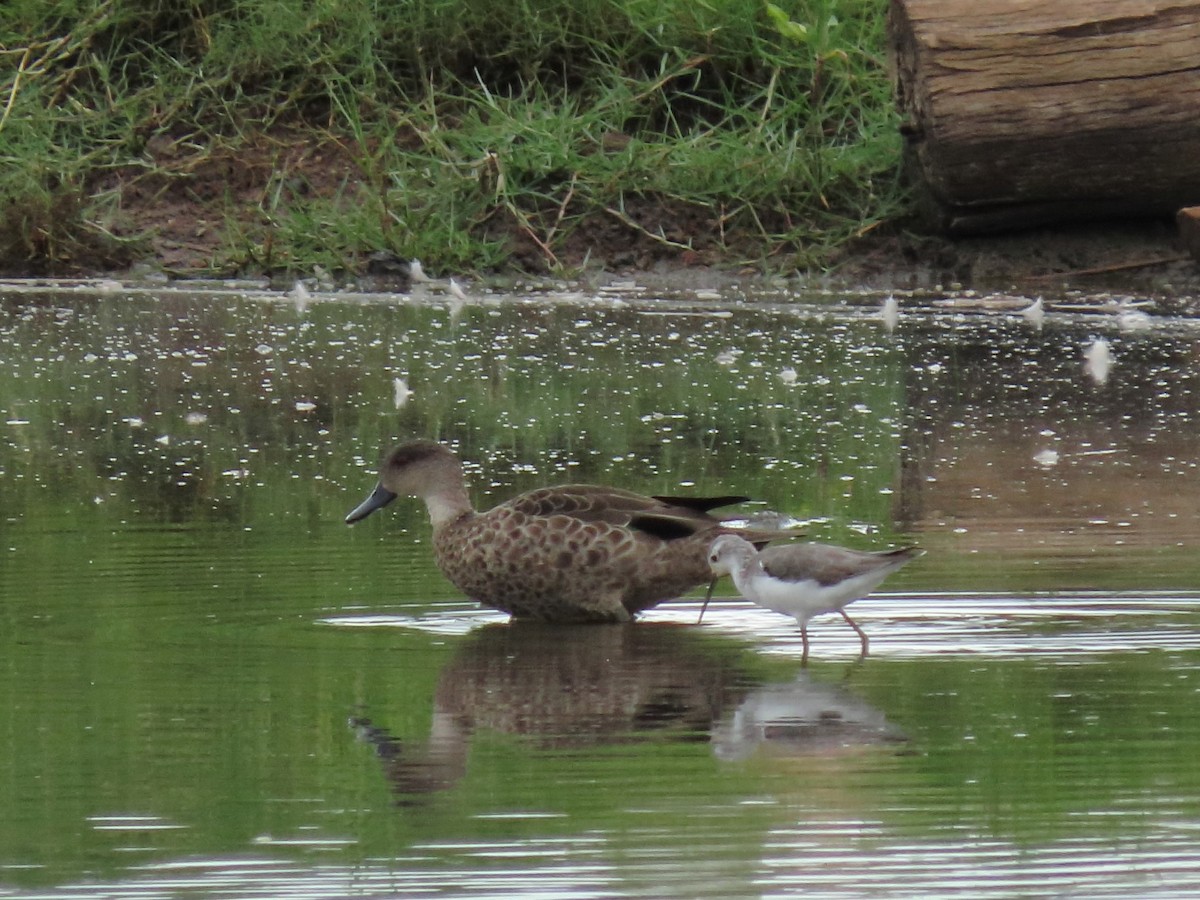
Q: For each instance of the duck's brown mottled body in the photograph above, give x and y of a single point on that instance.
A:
(570, 553)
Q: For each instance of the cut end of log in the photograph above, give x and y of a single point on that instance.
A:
(1020, 114)
(1188, 220)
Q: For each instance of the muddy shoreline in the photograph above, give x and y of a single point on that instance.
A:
(1144, 258)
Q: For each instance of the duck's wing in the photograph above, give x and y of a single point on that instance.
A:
(701, 504)
(664, 517)
(679, 517)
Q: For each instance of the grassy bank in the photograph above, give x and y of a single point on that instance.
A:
(267, 135)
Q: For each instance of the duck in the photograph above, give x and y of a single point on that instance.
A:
(804, 580)
(571, 553)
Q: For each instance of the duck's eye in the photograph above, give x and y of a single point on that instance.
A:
(712, 557)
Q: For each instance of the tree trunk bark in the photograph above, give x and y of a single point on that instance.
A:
(1023, 112)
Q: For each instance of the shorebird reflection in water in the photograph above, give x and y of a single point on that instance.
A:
(573, 553)
(803, 580)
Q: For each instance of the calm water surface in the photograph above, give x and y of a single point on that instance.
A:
(210, 687)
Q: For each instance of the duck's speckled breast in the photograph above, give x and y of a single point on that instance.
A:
(559, 568)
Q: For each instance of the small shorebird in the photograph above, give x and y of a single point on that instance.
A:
(803, 580)
(572, 553)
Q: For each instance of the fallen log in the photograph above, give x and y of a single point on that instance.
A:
(1188, 220)
(1020, 113)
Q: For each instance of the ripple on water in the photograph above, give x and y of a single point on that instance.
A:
(991, 625)
(834, 858)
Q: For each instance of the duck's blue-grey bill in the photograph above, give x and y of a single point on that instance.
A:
(380, 497)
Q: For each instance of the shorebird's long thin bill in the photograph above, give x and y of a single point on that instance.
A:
(708, 596)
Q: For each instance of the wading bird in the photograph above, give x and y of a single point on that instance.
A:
(803, 580)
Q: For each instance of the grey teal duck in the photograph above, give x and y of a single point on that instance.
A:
(572, 553)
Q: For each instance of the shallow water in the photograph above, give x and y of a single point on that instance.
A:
(211, 687)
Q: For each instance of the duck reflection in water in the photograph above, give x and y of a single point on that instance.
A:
(571, 687)
(564, 687)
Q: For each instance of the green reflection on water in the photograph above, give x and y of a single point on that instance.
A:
(1038, 750)
(175, 472)
(189, 407)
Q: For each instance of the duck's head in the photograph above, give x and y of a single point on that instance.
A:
(416, 469)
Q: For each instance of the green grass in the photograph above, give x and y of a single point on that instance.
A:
(469, 135)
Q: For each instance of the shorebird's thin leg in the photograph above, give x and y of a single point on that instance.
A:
(861, 634)
(804, 641)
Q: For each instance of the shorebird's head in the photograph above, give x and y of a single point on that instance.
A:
(728, 552)
(724, 554)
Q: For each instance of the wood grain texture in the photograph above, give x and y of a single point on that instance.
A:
(1019, 113)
